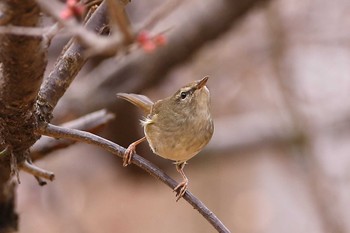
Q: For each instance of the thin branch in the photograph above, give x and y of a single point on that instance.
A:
(44, 33)
(73, 134)
(23, 31)
(37, 171)
(118, 17)
(92, 122)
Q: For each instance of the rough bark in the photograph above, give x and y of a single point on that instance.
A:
(22, 64)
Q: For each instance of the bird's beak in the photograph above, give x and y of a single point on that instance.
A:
(201, 83)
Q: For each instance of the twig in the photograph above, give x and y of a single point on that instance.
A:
(37, 171)
(91, 123)
(73, 134)
(45, 33)
(23, 31)
(118, 18)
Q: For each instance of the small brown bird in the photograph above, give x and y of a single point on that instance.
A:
(177, 127)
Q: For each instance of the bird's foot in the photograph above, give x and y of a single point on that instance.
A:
(130, 151)
(180, 189)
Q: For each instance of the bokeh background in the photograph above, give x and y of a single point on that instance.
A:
(279, 160)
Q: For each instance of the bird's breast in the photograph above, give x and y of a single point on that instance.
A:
(176, 137)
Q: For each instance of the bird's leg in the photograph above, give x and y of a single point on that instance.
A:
(181, 187)
(130, 151)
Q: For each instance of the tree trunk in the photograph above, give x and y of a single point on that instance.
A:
(22, 65)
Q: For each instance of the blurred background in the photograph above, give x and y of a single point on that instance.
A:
(279, 160)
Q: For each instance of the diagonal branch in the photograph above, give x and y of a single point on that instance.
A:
(37, 171)
(73, 134)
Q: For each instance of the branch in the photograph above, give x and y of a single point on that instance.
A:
(23, 31)
(92, 122)
(37, 171)
(118, 17)
(73, 134)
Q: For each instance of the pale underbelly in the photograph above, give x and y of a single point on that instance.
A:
(170, 145)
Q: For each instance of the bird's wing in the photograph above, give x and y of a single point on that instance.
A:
(140, 101)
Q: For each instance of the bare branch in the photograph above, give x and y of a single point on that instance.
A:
(23, 31)
(73, 134)
(119, 17)
(92, 122)
(46, 34)
(37, 171)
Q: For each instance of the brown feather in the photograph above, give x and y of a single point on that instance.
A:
(140, 101)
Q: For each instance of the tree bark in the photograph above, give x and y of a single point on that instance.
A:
(22, 65)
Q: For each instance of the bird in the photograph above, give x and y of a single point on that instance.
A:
(177, 127)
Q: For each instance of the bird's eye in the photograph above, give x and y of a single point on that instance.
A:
(183, 95)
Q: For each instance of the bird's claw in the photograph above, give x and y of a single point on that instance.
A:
(180, 189)
(130, 151)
